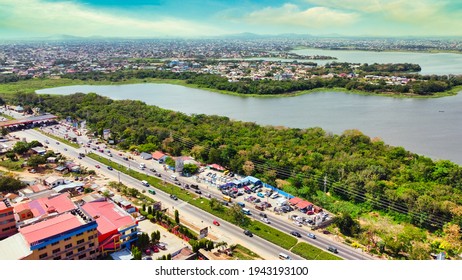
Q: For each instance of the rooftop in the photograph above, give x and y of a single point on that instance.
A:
(50, 227)
(14, 248)
(108, 216)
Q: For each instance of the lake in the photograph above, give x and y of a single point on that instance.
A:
(430, 127)
(431, 63)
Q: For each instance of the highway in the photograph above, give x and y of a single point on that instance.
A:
(225, 231)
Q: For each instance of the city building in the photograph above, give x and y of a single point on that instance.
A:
(7, 219)
(116, 228)
(68, 236)
(43, 206)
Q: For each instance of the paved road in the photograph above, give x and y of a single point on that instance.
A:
(226, 230)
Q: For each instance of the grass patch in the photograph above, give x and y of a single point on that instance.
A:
(7, 116)
(243, 253)
(310, 252)
(12, 165)
(62, 140)
(273, 235)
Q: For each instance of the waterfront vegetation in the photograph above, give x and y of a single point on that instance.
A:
(368, 79)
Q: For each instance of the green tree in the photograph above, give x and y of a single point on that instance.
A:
(347, 225)
(36, 160)
(190, 168)
(143, 240)
(177, 216)
(10, 184)
(155, 236)
(238, 216)
(20, 148)
(136, 253)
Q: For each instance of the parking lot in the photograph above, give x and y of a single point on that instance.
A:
(172, 243)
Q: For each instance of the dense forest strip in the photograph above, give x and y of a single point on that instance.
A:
(372, 80)
(303, 162)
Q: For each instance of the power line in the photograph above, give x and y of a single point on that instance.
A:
(325, 182)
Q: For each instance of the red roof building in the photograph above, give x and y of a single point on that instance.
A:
(7, 219)
(116, 228)
(158, 155)
(294, 200)
(42, 206)
(303, 204)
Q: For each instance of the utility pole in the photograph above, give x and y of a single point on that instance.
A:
(325, 183)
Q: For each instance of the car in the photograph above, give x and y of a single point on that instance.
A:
(152, 170)
(198, 191)
(140, 218)
(215, 222)
(263, 215)
(298, 224)
(57, 143)
(125, 158)
(312, 236)
(265, 220)
(65, 149)
(332, 249)
(260, 195)
(173, 197)
(161, 246)
(155, 249)
(177, 183)
(148, 251)
(97, 166)
(110, 168)
(186, 186)
(248, 233)
(326, 232)
(147, 258)
(296, 233)
(79, 157)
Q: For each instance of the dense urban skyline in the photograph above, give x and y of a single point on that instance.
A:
(193, 18)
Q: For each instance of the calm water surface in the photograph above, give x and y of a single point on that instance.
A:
(431, 127)
(431, 63)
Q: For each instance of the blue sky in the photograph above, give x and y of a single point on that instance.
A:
(195, 18)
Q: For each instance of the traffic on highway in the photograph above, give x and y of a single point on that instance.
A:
(193, 184)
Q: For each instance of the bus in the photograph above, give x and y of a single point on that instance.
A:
(227, 198)
(245, 211)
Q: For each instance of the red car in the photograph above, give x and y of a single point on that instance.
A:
(97, 166)
(155, 249)
(215, 222)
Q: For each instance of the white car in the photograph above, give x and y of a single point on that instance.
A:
(265, 220)
(298, 224)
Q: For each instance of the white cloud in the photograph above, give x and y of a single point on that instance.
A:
(38, 16)
(292, 15)
(426, 17)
